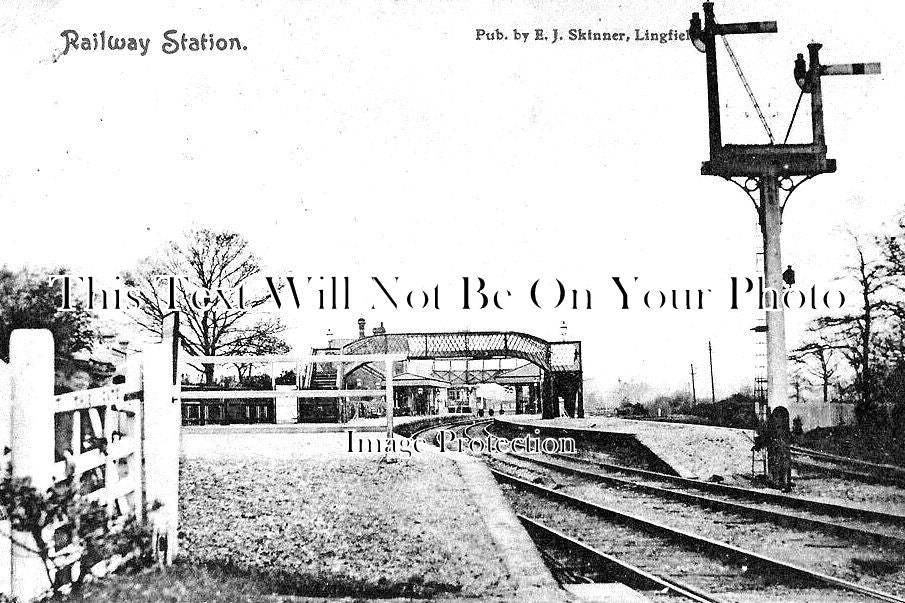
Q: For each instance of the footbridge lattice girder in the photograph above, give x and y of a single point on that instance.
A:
(560, 361)
(551, 356)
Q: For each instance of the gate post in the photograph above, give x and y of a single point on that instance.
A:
(6, 561)
(32, 419)
(135, 387)
(162, 418)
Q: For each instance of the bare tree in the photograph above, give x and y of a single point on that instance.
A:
(632, 391)
(212, 267)
(855, 332)
(893, 248)
(892, 343)
(818, 357)
(798, 381)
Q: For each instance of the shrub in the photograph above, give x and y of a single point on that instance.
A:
(31, 511)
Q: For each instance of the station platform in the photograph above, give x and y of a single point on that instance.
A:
(375, 424)
(694, 451)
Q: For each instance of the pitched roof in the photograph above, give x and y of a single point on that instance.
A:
(412, 380)
(526, 373)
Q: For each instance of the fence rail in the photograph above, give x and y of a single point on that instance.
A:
(341, 359)
(257, 394)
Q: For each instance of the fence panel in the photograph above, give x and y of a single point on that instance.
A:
(320, 359)
(102, 439)
(821, 414)
(97, 446)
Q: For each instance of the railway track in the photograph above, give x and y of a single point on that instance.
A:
(893, 469)
(811, 505)
(574, 561)
(626, 536)
(862, 524)
(858, 535)
(454, 425)
(705, 570)
(805, 459)
(765, 496)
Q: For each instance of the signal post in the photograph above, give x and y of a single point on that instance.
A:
(774, 171)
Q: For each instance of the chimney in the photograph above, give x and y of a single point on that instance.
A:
(380, 330)
(361, 328)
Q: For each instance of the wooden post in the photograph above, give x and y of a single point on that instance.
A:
(32, 380)
(135, 385)
(162, 418)
(6, 560)
(389, 396)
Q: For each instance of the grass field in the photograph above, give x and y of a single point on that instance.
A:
(354, 526)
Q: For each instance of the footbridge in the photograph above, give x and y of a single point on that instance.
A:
(559, 362)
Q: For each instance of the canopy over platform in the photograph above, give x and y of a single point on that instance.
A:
(522, 375)
(412, 380)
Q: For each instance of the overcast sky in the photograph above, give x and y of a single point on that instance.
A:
(383, 139)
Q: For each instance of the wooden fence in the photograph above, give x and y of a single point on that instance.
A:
(220, 396)
(821, 414)
(121, 443)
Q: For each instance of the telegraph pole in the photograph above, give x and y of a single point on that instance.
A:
(771, 169)
(694, 397)
(712, 388)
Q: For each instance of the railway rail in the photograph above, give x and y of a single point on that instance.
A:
(714, 565)
(424, 430)
(763, 496)
(892, 469)
(869, 526)
(805, 459)
(704, 566)
(562, 551)
(723, 502)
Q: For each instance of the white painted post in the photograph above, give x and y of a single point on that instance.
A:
(6, 407)
(777, 358)
(161, 414)
(32, 379)
(298, 386)
(779, 456)
(341, 402)
(273, 386)
(389, 397)
(135, 384)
